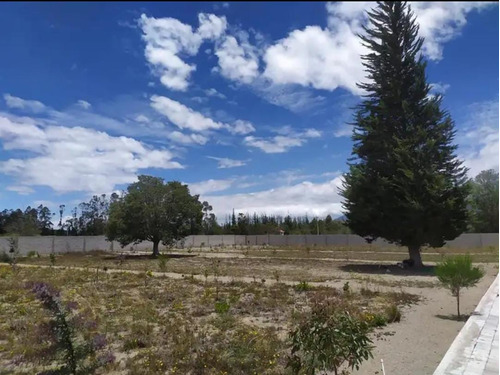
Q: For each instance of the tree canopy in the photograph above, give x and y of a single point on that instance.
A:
(404, 182)
(483, 202)
(154, 211)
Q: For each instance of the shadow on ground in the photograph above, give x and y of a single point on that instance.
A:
(387, 269)
(146, 256)
(454, 317)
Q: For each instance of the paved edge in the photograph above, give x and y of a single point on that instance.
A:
(457, 358)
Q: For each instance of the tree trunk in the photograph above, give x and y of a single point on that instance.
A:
(156, 252)
(415, 256)
(458, 304)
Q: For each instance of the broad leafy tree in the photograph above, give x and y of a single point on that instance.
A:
(155, 211)
(483, 202)
(404, 183)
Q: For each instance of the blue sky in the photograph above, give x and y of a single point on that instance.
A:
(245, 102)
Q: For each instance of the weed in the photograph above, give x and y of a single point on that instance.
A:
(135, 343)
(162, 262)
(302, 286)
(52, 258)
(222, 307)
(32, 254)
(346, 288)
(393, 313)
(79, 356)
(276, 275)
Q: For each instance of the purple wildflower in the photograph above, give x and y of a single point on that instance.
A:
(99, 342)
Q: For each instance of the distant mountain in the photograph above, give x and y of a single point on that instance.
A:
(340, 218)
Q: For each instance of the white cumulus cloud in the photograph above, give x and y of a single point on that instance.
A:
(479, 138)
(237, 62)
(182, 116)
(213, 92)
(210, 186)
(186, 118)
(302, 198)
(328, 58)
(241, 127)
(168, 38)
(281, 143)
(84, 104)
(75, 159)
(30, 105)
(223, 163)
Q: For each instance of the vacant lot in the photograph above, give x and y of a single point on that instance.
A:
(230, 311)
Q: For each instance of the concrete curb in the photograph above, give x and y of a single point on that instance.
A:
(475, 349)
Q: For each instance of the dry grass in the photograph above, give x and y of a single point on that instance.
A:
(161, 325)
(314, 265)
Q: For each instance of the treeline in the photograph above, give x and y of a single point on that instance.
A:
(91, 218)
(272, 224)
(88, 218)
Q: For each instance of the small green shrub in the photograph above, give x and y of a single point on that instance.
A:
(32, 254)
(379, 320)
(132, 344)
(302, 286)
(162, 262)
(393, 314)
(346, 288)
(222, 307)
(325, 342)
(456, 273)
(52, 257)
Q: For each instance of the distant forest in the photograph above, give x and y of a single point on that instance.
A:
(90, 218)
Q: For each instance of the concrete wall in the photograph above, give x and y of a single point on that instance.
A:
(64, 244)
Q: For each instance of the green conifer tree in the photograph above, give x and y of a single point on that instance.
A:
(405, 183)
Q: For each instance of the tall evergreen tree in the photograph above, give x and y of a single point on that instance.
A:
(404, 183)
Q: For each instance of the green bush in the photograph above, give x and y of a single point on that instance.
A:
(162, 262)
(326, 341)
(32, 254)
(346, 288)
(456, 273)
(393, 314)
(52, 257)
(222, 307)
(302, 286)
(379, 320)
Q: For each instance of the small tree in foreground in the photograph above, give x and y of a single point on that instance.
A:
(154, 211)
(456, 273)
(326, 342)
